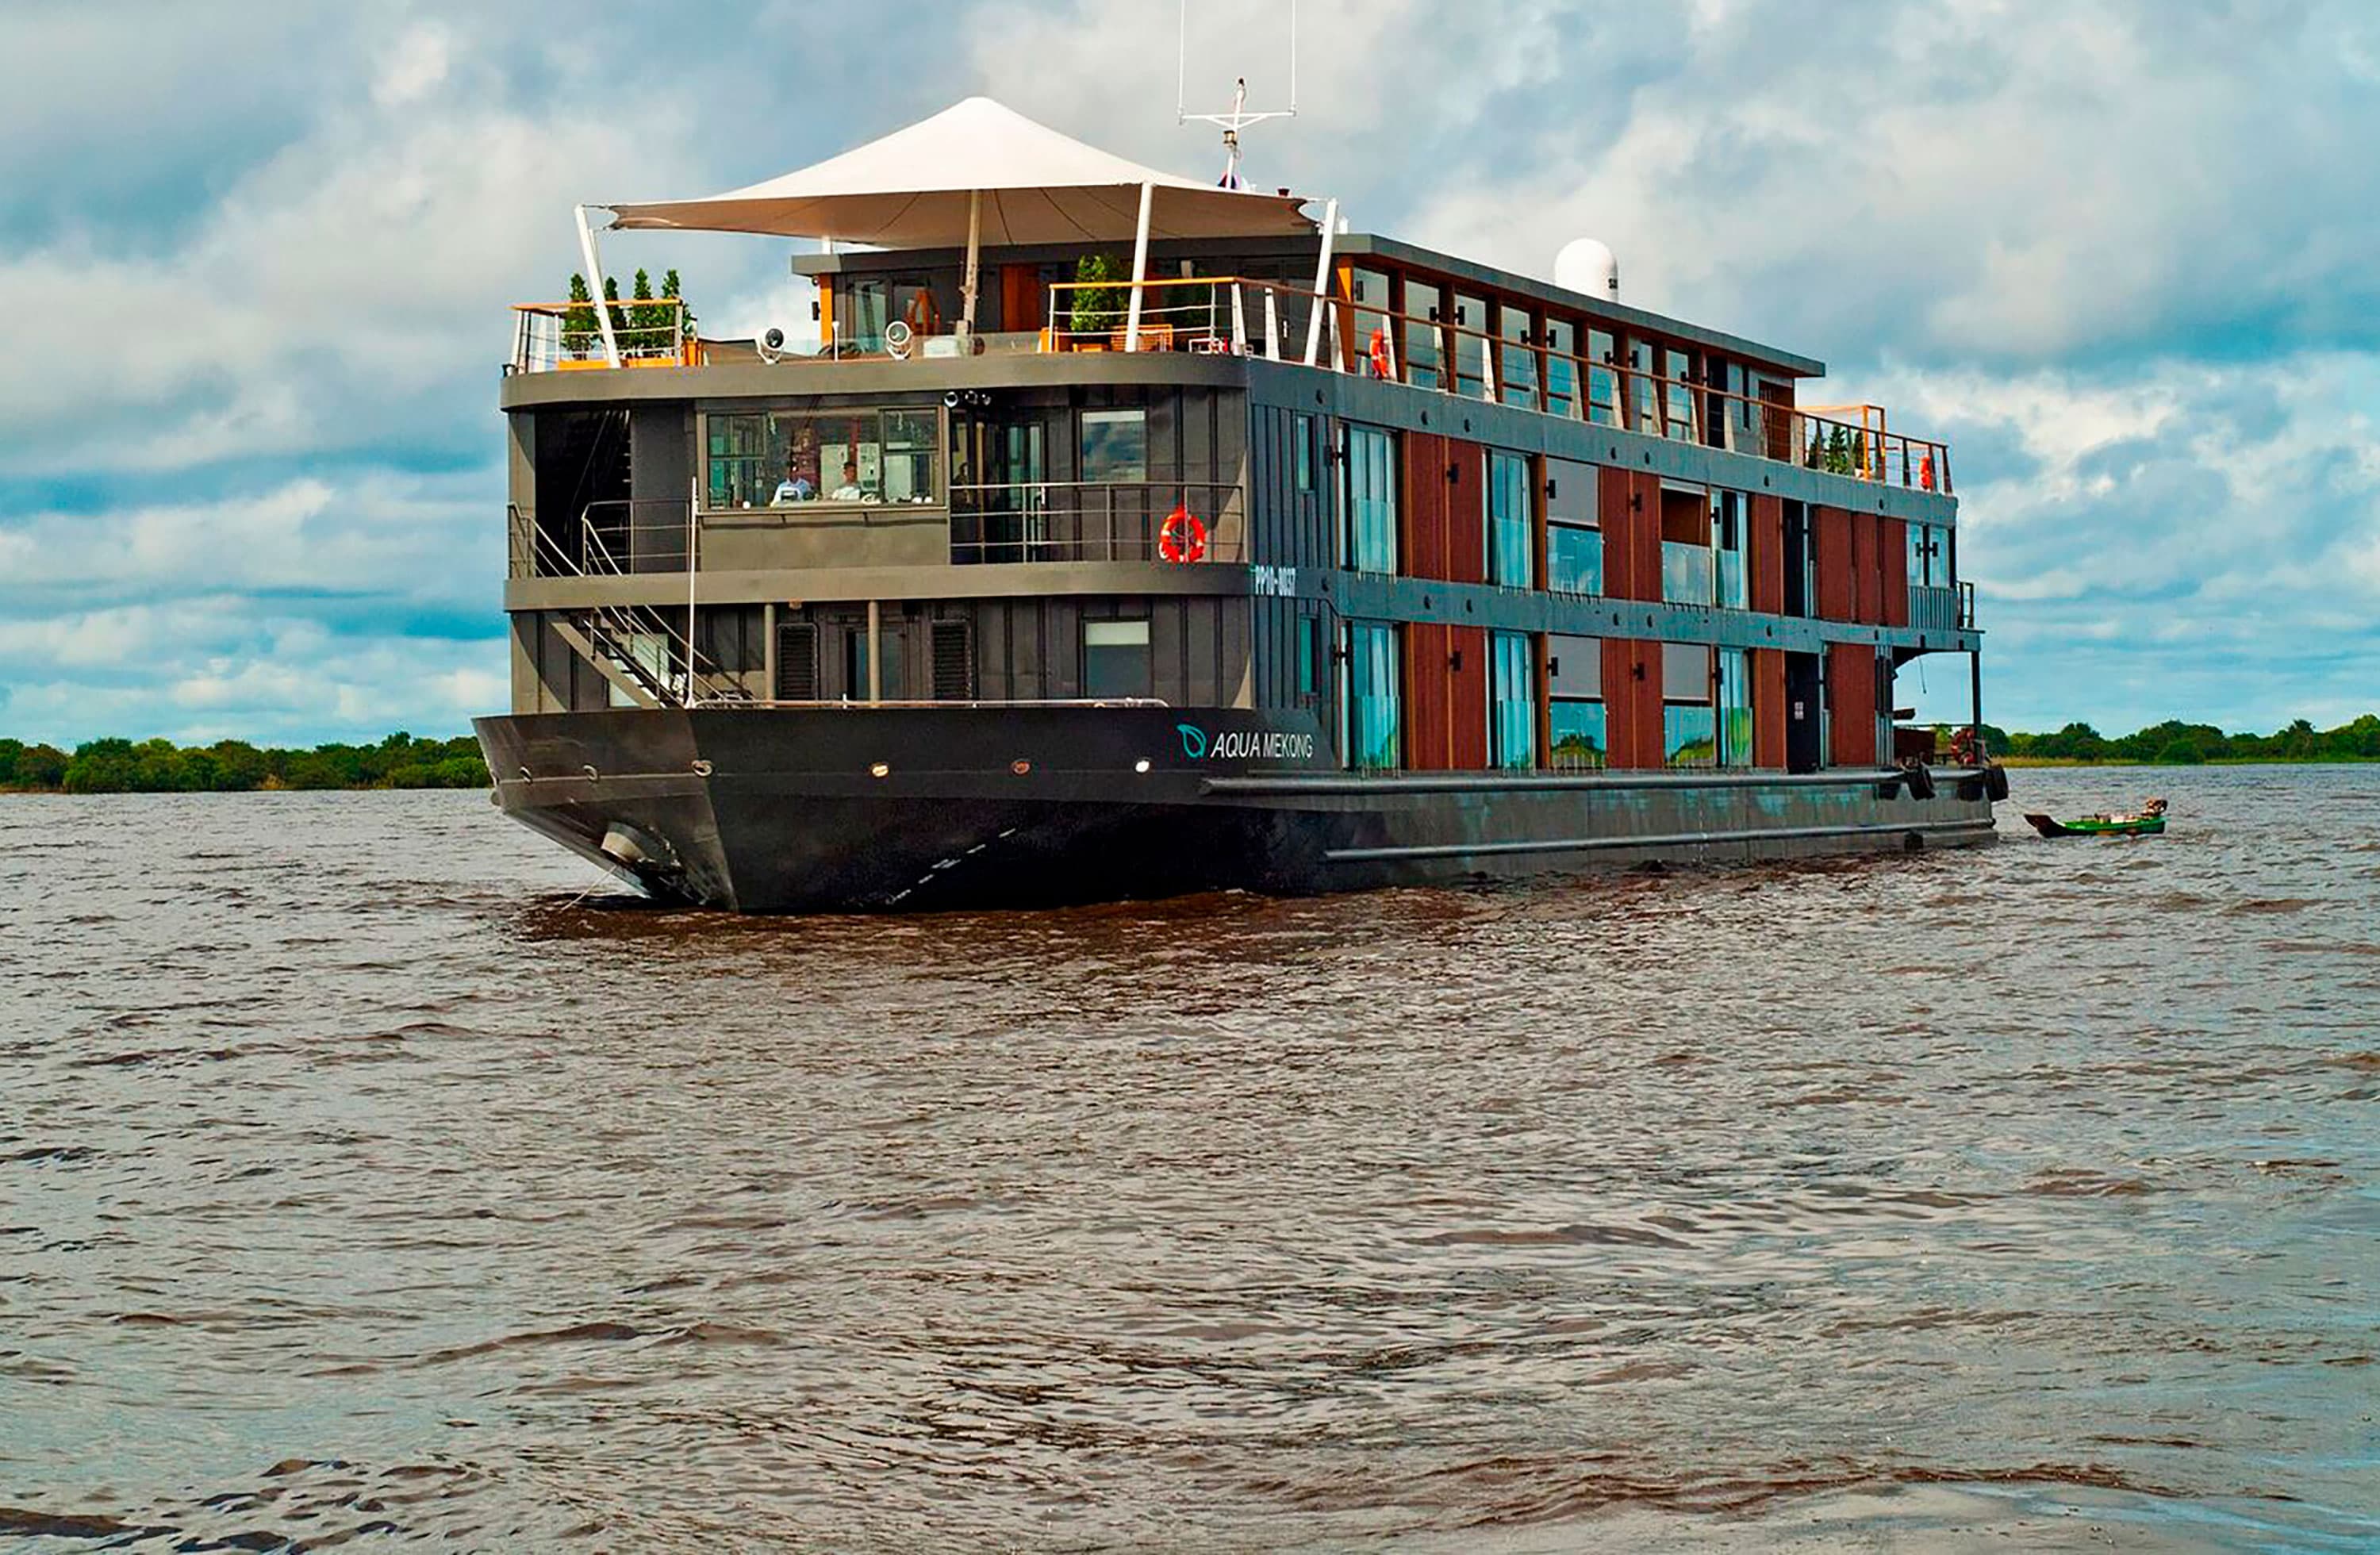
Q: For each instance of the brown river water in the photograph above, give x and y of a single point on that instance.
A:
(363, 1183)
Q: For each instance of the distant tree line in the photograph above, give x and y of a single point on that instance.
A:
(2176, 744)
(116, 766)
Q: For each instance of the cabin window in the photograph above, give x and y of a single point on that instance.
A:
(1574, 690)
(1301, 436)
(1561, 368)
(1369, 733)
(1470, 347)
(1734, 707)
(1309, 656)
(1689, 728)
(1512, 700)
(1115, 658)
(1929, 556)
(1519, 352)
(1509, 514)
(1422, 349)
(1602, 379)
(1727, 549)
(891, 684)
(1370, 467)
(790, 459)
(1114, 446)
(1573, 530)
(1646, 393)
(1685, 546)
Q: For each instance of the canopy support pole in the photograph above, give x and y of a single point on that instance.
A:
(973, 265)
(1321, 283)
(595, 285)
(1140, 269)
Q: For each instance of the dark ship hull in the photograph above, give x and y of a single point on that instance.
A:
(869, 808)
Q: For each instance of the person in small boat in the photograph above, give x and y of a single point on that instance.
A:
(2151, 809)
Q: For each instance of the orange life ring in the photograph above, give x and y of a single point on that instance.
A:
(1380, 348)
(1183, 538)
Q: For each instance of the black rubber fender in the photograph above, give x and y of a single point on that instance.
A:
(1920, 781)
(1995, 781)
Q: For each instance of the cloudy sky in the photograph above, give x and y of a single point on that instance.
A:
(2118, 252)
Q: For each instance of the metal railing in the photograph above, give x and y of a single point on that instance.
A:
(1239, 316)
(1095, 521)
(615, 537)
(560, 336)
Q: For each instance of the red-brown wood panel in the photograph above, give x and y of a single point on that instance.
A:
(1851, 705)
(1422, 522)
(1620, 688)
(1832, 527)
(1445, 698)
(1611, 501)
(1645, 539)
(1765, 535)
(1466, 511)
(1892, 548)
(1867, 591)
(1768, 706)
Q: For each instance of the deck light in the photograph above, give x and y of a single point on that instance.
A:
(882, 769)
(1020, 767)
(1141, 765)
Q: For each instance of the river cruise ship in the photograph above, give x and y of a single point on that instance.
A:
(1114, 534)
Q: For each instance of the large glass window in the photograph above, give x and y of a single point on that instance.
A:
(1422, 334)
(1685, 546)
(1929, 556)
(1370, 735)
(1471, 347)
(1115, 658)
(1371, 490)
(782, 458)
(1573, 530)
(1115, 445)
(1512, 698)
(1508, 513)
(1727, 549)
(864, 305)
(1602, 379)
(1575, 686)
(1734, 709)
(1647, 392)
(1519, 366)
(1561, 368)
(1689, 728)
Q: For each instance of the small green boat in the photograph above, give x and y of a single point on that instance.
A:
(2149, 822)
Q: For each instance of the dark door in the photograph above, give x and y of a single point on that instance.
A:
(1803, 730)
(1797, 559)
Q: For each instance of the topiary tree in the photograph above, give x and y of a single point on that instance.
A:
(685, 315)
(578, 323)
(1098, 307)
(644, 319)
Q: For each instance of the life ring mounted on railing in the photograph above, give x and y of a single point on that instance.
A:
(1182, 538)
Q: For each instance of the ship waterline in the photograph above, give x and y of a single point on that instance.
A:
(1023, 589)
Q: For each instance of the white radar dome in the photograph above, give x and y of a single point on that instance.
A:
(1585, 265)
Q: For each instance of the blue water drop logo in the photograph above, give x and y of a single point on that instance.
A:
(1194, 741)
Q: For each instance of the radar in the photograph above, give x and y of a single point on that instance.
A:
(1587, 266)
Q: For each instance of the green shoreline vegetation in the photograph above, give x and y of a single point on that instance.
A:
(120, 766)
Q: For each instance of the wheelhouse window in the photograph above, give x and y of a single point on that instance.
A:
(1509, 514)
(1369, 736)
(1573, 530)
(1114, 446)
(1115, 658)
(1689, 726)
(1370, 467)
(1519, 354)
(788, 458)
(1512, 700)
(1574, 690)
(1470, 347)
(1423, 357)
(865, 304)
(1561, 368)
(1602, 379)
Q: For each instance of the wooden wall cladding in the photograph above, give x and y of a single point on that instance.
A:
(1831, 527)
(1768, 708)
(1893, 553)
(1850, 703)
(1445, 698)
(1767, 540)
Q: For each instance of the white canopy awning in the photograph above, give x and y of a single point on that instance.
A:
(1026, 182)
